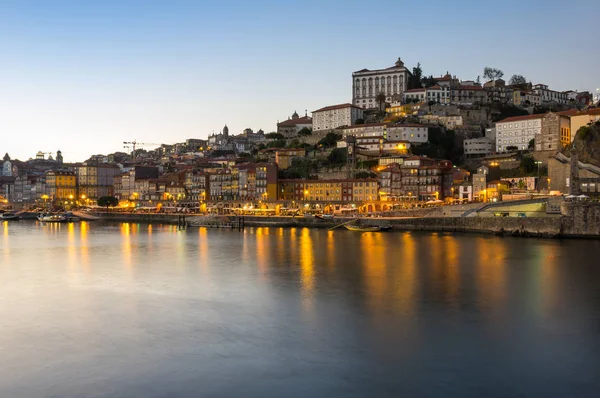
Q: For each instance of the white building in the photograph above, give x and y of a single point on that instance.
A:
(548, 95)
(335, 116)
(478, 146)
(411, 132)
(517, 131)
(366, 84)
(290, 128)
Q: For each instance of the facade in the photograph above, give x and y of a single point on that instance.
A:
(335, 116)
(467, 94)
(390, 182)
(526, 98)
(291, 127)
(284, 157)
(412, 133)
(349, 191)
(548, 95)
(561, 176)
(555, 133)
(474, 147)
(367, 84)
(61, 185)
(583, 118)
(517, 131)
(96, 180)
(425, 179)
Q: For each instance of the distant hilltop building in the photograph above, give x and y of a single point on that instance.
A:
(293, 125)
(366, 84)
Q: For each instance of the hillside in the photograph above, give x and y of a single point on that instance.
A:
(587, 144)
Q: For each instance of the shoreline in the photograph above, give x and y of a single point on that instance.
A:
(547, 227)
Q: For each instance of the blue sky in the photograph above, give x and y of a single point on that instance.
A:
(83, 76)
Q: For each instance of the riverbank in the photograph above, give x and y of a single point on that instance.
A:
(557, 226)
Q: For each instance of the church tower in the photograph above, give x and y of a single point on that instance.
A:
(59, 158)
(226, 132)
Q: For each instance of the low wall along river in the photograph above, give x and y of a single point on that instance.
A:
(577, 220)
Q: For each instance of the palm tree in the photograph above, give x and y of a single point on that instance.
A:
(380, 99)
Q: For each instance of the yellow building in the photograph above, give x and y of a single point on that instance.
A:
(396, 111)
(582, 119)
(284, 157)
(365, 190)
(325, 191)
(61, 185)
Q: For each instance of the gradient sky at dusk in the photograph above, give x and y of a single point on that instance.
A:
(83, 76)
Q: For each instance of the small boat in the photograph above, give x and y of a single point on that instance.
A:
(324, 216)
(9, 216)
(52, 217)
(366, 228)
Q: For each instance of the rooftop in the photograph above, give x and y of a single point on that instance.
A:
(334, 107)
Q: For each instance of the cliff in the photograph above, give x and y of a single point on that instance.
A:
(586, 144)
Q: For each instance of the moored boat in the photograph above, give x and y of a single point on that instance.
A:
(366, 228)
(47, 217)
(9, 216)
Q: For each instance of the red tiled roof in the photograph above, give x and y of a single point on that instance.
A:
(570, 112)
(592, 111)
(519, 118)
(444, 78)
(363, 125)
(436, 87)
(415, 90)
(333, 107)
(294, 122)
(410, 125)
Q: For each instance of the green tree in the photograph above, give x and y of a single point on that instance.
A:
(492, 73)
(380, 99)
(276, 144)
(414, 81)
(304, 132)
(245, 155)
(517, 79)
(295, 143)
(107, 201)
(527, 165)
(338, 157)
(359, 121)
(274, 136)
(330, 139)
(428, 81)
(531, 144)
(365, 174)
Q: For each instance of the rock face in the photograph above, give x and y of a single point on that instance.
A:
(586, 145)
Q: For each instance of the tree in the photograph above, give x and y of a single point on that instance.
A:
(517, 79)
(276, 144)
(414, 81)
(305, 131)
(338, 156)
(531, 144)
(478, 81)
(428, 81)
(245, 155)
(330, 139)
(274, 136)
(107, 201)
(492, 73)
(359, 121)
(380, 99)
(511, 148)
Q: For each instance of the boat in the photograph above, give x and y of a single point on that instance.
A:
(324, 216)
(8, 216)
(366, 228)
(48, 217)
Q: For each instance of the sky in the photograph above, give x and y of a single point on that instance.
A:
(84, 76)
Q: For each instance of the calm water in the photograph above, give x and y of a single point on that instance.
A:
(133, 310)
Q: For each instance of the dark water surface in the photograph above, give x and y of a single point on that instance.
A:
(133, 310)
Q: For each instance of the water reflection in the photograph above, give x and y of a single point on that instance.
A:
(459, 313)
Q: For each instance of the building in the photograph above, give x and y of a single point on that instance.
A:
(481, 178)
(290, 128)
(390, 182)
(367, 84)
(331, 117)
(561, 176)
(467, 94)
(284, 157)
(474, 147)
(555, 132)
(329, 191)
(61, 185)
(96, 180)
(496, 91)
(410, 132)
(548, 95)
(517, 132)
(525, 98)
(425, 179)
(398, 110)
(266, 181)
(583, 118)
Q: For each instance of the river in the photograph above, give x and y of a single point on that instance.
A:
(137, 310)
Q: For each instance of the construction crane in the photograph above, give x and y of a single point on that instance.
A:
(135, 144)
